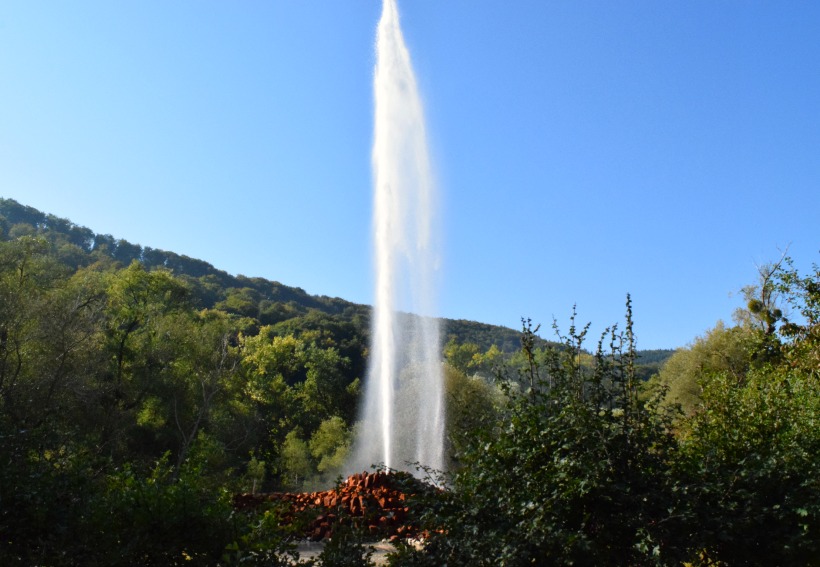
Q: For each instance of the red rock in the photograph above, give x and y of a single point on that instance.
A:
(355, 495)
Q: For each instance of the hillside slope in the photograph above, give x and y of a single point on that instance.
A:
(269, 302)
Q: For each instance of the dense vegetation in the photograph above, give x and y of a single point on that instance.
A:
(588, 465)
(140, 389)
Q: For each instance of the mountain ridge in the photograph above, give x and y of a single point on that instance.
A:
(269, 301)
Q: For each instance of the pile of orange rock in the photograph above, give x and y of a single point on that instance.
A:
(375, 501)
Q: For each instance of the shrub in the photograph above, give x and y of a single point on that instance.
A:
(576, 471)
(751, 472)
(164, 517)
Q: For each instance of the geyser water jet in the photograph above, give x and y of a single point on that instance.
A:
(402, 418)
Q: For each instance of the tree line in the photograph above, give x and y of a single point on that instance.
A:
(714, 461)
(150, 385)
(136, 398)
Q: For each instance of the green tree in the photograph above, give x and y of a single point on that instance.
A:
(196, 383)
(296, 462)
(749, 463)
(163, 516)
(460, 356)
(327, 389)
(472, 404)
(242, 301)
(800, 332)
(486, 363)
(575, 471)
(256, 473)
(47, 332)
(329, 445)
(138, 349)
(720, 350)
(750, 470)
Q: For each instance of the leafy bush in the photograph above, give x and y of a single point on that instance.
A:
(751, 472)
(263, 539)
(577, 471)
(42, 502)
(165, 517)
(749, 464)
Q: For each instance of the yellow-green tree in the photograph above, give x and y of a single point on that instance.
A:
(722, 350)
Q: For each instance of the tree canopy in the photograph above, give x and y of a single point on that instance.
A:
(140, 389)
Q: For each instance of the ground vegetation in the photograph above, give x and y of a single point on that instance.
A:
(140, 391)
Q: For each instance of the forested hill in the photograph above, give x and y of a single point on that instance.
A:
(268, 302)
(131, 411)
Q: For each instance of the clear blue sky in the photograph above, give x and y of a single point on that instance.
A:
(583, 149)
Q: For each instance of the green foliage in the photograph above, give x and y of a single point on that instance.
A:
(751, 472)
(263, 541)
(63, 509)
(472, 403)
(580, 470)
(584, 467)
(242, 301)
(576, 470)
(750, 451)
(347, 548)
(801, 331)
(140, 388)
(330, 445)
(43, 496)
(256, 473)
(106, 370)
(649, 362)
(302, 387)
(296, 461)
(317, 462)
(721, 350)
(481, 334)
(164, 517)
(461, 356)
(326, 387)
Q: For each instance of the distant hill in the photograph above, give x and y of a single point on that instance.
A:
(269, 302)
(287, 308)
(650, 361)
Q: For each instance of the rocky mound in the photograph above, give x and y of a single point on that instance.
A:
(377, 502)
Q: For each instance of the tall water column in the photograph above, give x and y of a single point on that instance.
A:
(402, 418)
